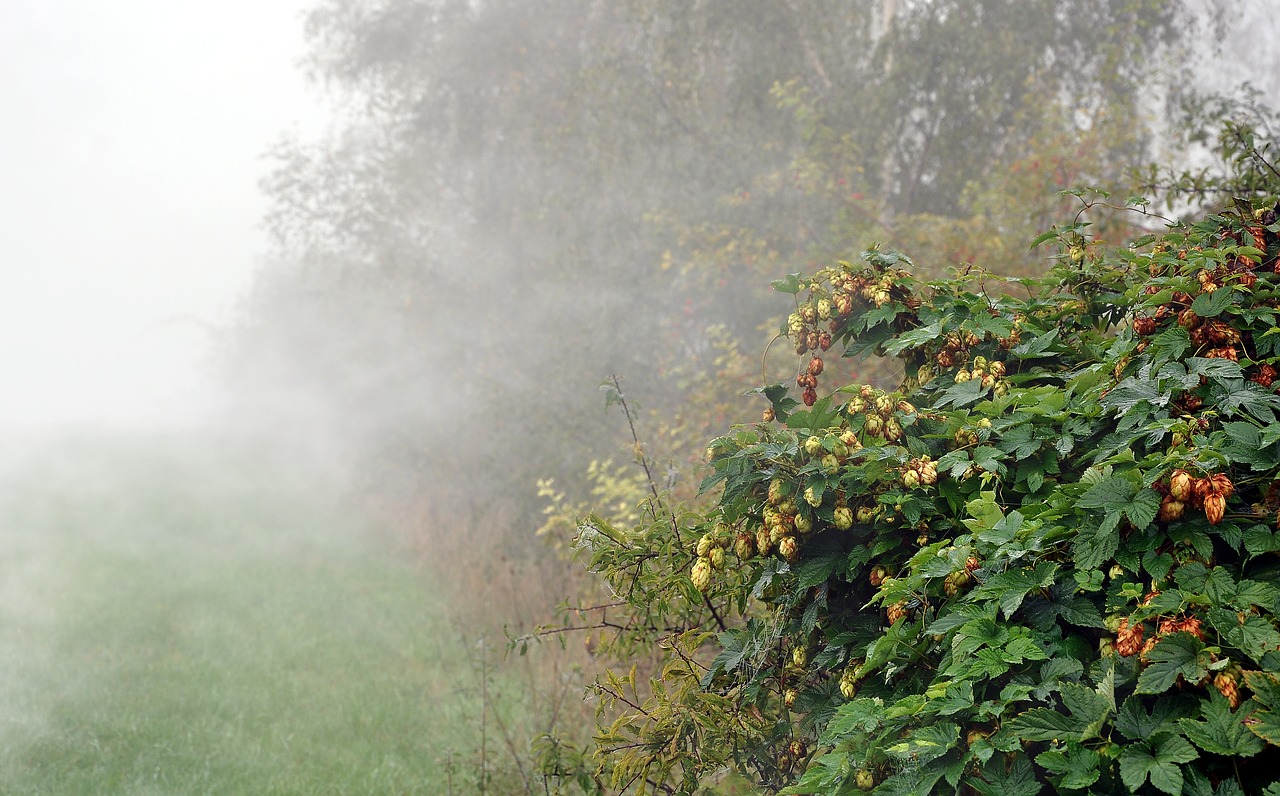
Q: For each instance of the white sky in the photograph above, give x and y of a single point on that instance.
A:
(132, 136)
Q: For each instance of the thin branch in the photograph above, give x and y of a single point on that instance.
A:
(656, 499)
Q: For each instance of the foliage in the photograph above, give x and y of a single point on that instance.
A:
(523, 195)
(1045, 561)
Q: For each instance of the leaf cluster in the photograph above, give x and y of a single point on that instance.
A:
(1047, 561)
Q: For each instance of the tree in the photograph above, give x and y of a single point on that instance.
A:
(540, 172)
(1047, 559)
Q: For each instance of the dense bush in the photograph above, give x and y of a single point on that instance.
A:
(1047, 560)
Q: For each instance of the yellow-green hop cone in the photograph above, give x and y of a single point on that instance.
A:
(764, 541)
(704, 545)
(802, 523)
(717, 558)
(789, 548)
(799, 657)
(744, 546)
(701, 575)
(811, 497)
(849, 683)
(777, 491)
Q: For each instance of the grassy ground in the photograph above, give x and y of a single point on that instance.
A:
(171, 626)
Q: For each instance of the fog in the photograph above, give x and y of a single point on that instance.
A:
(304, 300)
(132, 145)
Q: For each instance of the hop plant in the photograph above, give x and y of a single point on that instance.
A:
(1025, 548)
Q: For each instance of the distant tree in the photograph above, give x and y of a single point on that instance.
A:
(523, 197)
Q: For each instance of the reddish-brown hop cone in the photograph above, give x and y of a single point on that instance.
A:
(1220, 484)
(1129, 639)
(877, 576)
(1144, 326)
(809, 396)
(1188, 624)
(1180, 485)
(815, 366)
(1215, 506)
(1265, 376)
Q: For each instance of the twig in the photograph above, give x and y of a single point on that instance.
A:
(656, 500)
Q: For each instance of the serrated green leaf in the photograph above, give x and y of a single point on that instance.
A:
(1116, 493)
(1085, 705)
(1265, 687)
(813, 571)
(1175, 655)
(1136, 724)
(1077, 767)
(1266, 725)
(1018, 780)
(789, 284)
(1209, 305)
(1157, 759)
(926, 743)
(1221, 732)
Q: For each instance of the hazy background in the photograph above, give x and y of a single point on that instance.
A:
(422, 265)
(131, 148)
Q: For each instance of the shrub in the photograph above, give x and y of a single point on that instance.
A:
(1048, 558)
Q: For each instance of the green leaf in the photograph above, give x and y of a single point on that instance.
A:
(1265, 687)
(1045, 724)
(1085, 705)
(1116, 493)
(914, 338)
(1254, 637)
(1018, 780)
(1209, 305)
(813, 571)
(1131, 392)
(1011, 587)
(1266, 725)
(1244, 444)
(926, 743)
(1221, 732)
(1088, 712)
(789, 284)
(1177, 654)
(1136, 724)
(1157, 759)
(1097, 543)
(1237, 396)
(1077, 767)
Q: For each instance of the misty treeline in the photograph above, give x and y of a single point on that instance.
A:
(519, 198)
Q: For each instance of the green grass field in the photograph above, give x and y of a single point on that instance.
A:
(171, 626)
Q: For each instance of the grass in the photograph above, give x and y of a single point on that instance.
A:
(220, 625)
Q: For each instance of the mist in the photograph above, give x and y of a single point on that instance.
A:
(308, 306)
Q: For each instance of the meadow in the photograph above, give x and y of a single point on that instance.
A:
(225, 623)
